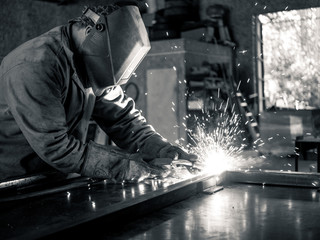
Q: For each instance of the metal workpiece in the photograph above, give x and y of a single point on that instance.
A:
(270, 177)
(43, 212)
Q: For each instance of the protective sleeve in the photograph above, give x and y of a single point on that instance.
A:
(33, 93)
(116, 114)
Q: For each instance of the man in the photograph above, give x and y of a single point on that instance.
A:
(52, 85)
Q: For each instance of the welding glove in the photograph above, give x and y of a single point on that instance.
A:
(138, 170)
(111, 163)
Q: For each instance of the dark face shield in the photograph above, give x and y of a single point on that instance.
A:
(114, 47)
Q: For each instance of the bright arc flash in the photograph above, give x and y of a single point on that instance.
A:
(217, 162)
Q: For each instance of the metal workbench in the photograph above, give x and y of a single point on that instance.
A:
(233, 205)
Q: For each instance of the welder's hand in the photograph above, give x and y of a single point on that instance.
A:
(108, 162)
(136, 170)
(175, 153)
(129, 170)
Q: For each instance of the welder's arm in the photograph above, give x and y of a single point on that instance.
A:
(34, 95)
(117, 116)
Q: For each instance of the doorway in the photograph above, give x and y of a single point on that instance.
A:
(290, 46)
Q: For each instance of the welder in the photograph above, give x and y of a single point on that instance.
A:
(54, 84)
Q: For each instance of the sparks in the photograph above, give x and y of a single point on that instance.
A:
(243, 51)
(219, 149)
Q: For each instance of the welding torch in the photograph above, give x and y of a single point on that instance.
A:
(189, 164)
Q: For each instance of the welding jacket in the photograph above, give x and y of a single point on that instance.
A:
(45, 109)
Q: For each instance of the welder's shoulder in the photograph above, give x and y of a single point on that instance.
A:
(44, 50)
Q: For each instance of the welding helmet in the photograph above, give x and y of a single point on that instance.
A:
(114, 47)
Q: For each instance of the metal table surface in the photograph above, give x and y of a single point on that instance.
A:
(239, 211)
(40, 213)
(251, 205)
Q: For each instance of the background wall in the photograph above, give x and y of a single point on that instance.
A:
(240, 22)
(22, 20)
